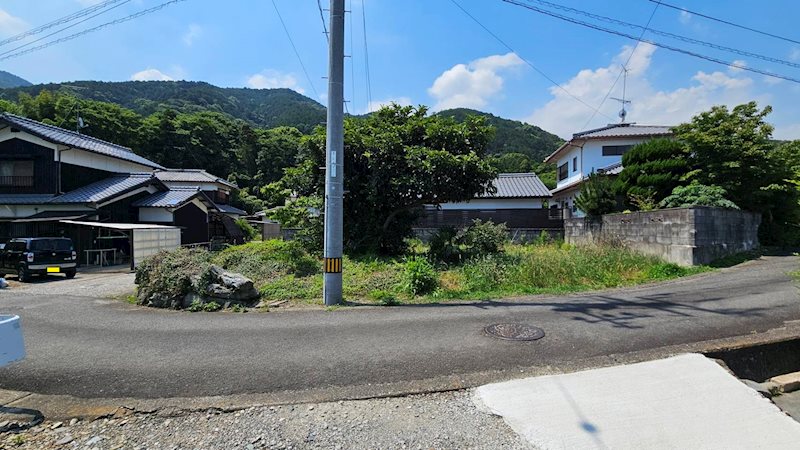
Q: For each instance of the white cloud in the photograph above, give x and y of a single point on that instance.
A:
(11, 25)
(472, 85)
(737, 66)
(272, 79)
(89, 2)
(194, 32)
(377, 104)
(564, 115)
(794, 55)
(151, 75)
(685, 17)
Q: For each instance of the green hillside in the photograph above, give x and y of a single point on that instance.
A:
(267, 108)
(513, 136)
(9, 80)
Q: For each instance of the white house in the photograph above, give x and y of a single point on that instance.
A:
(598, 150)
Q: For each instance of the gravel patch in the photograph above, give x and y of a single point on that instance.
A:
(441, 421)
(98, 285)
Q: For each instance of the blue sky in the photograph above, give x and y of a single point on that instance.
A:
(429, 52)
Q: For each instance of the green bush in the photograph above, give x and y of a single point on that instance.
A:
(166, 277)
(262, 258)
(697, 194)
(419, 276)
(485, 238)
(249, 231)
(663, 271)
(444, 246)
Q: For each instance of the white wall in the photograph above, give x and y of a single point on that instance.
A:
(161, 215)
(495, 203)
(591, 158)
(202, 186)
(22, 211)
(96, 161)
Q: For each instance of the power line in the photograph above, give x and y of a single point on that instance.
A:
(63, 29)
(91, 30)
(624, 67)
(668, 34)
(352, 60)
(539, 71)
(366, 53)
(322, 16)
(62, 20)
(729, 23)
(657, 44)
(299, 59)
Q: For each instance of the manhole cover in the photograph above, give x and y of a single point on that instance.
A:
(514, 332)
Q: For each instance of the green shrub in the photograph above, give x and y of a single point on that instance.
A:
(211, 307)
(543, 238)
(697, 194)
(249, 231)
(419, 276)
(199, 305)
(485, 238)
(383, 297)
(166, 277)
(662, 271)
(444, 246)
(260, 259)
(488, 272)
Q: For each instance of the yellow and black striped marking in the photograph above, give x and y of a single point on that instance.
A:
(333, 265)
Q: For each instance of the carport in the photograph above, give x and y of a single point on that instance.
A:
(134, 240)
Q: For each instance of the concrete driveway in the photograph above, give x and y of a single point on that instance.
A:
(88, 347)
(97, 284)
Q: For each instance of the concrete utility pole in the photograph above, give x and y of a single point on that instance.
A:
(334, 160)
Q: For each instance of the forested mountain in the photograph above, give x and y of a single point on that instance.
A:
(265, 108)
(9, 80)
(512, 136)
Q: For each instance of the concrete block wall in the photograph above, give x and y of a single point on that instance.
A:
(686, 236)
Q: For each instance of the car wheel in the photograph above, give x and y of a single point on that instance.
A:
(70, 273)
(23, 275)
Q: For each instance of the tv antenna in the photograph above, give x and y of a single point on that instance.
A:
(623, 112)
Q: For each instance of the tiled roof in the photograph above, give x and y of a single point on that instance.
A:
(624, 130)
(613, 169)
(105, 189)
(76, 140)
(168, 199)
(191, 176)
(518, 185)
(24, 199)
(228, 209)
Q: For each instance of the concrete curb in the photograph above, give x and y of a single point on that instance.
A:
(62, 407)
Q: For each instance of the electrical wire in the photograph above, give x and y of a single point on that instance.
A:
(624, 67)
(62, 20)
(657, 44)
(299, 59)
(539, 71)
(90, 30)
(366, 53)
(667, 34)
(322, 16)
(352, 60)
(729, 23)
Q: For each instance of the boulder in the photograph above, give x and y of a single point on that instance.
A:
(228, 287)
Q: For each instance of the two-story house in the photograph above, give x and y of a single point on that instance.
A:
(51, 178)
(598, 150)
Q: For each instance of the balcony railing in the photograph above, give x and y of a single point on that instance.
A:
(16, 180)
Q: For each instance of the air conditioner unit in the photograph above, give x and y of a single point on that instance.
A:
(11, 346)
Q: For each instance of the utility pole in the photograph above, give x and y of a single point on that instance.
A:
(334, 159)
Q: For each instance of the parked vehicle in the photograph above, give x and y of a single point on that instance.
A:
(26, 257)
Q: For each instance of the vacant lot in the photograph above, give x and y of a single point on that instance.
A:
(99, 285)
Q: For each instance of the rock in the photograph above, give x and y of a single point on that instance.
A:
(758, 387)
(56, 425)
(65, 440)
(229, 286)
(93, 440)
(73, 422)
(190, 298)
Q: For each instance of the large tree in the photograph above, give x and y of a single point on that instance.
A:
(397, 160)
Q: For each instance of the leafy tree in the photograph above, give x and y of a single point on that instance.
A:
(730, 149)
(697, 194)
(277, 150)
(511, 163)
(652, 169)
(597, 195)
(396, 160)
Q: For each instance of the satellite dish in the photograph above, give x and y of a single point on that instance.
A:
(81, 124)
(623, 114)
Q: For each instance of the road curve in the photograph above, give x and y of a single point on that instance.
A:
(87, 347)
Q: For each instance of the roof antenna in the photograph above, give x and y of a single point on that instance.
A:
(623, 113)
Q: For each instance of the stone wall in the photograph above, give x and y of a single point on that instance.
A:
(686, 236)
(516, 235)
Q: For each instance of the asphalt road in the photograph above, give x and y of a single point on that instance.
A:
(89, 347)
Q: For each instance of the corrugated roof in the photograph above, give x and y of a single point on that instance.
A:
(121, 226)
(105, 189)
(191, 176)
(518, 185)
(76, 140)
(228, 209)
(168, 199)
(624, 130)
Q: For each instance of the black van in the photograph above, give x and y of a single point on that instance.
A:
(26, 257)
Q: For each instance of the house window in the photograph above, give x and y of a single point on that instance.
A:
(615, 150)
(563, 172)
(16, 173)
(575, 164)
